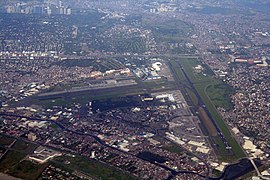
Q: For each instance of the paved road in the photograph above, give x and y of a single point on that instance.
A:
(257, 170)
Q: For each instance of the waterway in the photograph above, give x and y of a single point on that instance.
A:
(231, 172)
(234, 171)
(151, 157)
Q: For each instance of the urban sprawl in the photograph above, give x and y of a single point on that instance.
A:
(134, 90)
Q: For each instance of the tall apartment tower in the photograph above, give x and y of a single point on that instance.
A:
(59, 3)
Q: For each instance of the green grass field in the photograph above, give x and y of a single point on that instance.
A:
(214, 93)
(174, 149)
(178, 71)
(155, 85)
(189, 64)
(24, 147)
(92, 168)
(99, 65)
(11, 159)
(5, 141)
(13, 162)
(212, 131)
(220, 95)
(167, 31)
(86, 96)
(219, 121)
(193, 97)
(27, 170)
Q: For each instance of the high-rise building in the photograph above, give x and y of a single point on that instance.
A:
(10, 9)
(69, 11)
(62, 10)
(59, 3)
(28, 10)
(49, 11)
